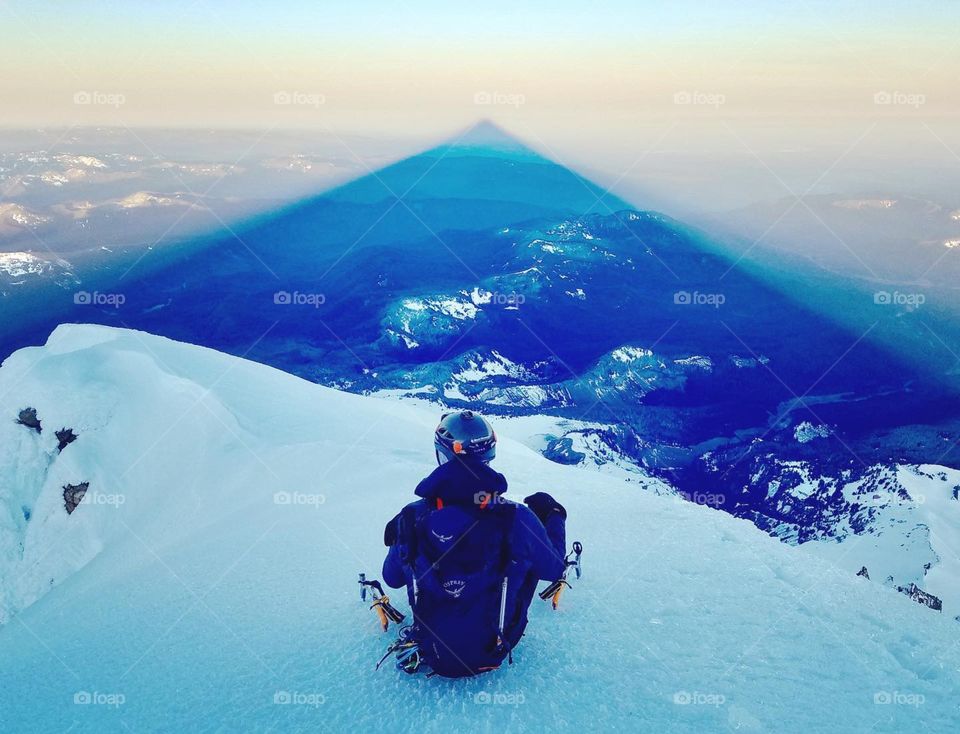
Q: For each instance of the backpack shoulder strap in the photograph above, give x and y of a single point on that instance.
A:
(507, 516)
(407, 531)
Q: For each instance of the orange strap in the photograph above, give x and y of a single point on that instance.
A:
(384, 622)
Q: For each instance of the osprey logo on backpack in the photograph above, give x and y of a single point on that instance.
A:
(454, 587)
(441, 538)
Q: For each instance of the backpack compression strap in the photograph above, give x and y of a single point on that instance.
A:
(510, 513)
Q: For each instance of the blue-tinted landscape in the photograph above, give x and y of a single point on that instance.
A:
(499, 280)
(655, 307)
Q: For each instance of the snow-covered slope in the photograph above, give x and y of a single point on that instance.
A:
(901, 523)
(207, 579)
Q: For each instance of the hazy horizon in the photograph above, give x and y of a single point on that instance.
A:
(427, 68)
(684, 107)
(724, 116)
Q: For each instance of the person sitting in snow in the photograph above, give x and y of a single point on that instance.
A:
(469, 558)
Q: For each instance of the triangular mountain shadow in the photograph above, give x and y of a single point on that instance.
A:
(487, 137)
(321, 289)
(495, 178)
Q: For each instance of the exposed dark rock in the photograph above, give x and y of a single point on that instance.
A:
(922, 597)
(65, 437)
(863, 572)
(72, 494)
(28, 418)
(561, 451)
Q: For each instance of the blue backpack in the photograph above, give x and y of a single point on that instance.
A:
(464, 584)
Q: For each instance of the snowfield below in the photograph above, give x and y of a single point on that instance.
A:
(206, 582)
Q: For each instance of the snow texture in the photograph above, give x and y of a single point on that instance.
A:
(207, 580)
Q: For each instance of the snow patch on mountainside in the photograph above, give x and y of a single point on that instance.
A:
(901, 522)
(142, 199)
(807, 431)
(452, 307)
(18, 266)
(630, 354)
(83, 161)
(429, 320)
(16, 216)
(525, 396)
(478, 367)
(584, 444)
(704, 363)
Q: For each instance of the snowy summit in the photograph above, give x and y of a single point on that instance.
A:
(205, 579)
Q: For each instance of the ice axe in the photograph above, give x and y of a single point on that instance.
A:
(386, 612)
(572, 560)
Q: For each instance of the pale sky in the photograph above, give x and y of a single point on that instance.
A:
(427, 65)
(599, 83)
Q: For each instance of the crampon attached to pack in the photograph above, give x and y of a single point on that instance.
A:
(386, 612)
(555, 590)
